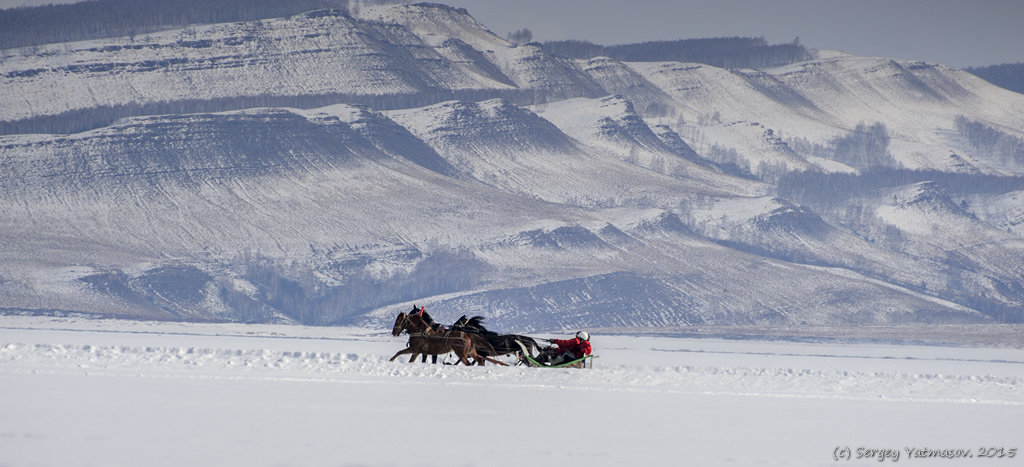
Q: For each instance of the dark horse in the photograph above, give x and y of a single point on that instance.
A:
(425, 340)
(422, 311)
(503, 344)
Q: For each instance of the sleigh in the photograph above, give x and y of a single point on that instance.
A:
(526, 359)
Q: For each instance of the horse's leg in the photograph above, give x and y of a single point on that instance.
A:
(469, 351)
(461, 353)
(480, 357)
(401, 352)
(477, 359)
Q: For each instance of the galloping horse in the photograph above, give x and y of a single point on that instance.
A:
(421, 343)
(425, 340)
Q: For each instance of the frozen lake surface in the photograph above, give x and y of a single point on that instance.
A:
(109, 393)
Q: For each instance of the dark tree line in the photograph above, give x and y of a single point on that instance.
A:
(824, 190)
(283, 291)
(308, 302)
(991, 142)
(520, 36)
(725, 52)
(866, 147)
(26, 26)
(1008, 75)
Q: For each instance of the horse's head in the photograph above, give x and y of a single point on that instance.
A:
(401, 323)
(415, 323)
(462, 321)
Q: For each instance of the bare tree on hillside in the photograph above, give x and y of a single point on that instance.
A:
(520, 36)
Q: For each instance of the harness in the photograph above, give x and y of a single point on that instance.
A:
(446, 337)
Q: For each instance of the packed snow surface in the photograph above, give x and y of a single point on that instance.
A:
(92, 392)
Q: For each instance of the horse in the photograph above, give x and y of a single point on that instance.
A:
(421, 343)
(482, 345)
(427, 340)
(422, 312)
(503, 344)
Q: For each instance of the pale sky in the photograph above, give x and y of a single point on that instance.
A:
(953, 32)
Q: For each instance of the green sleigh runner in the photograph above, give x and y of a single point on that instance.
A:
(526, 359)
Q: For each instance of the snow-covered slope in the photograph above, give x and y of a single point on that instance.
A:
(525, 65)
(823, 99)
(581, 161)
(982, 257)
(315, 53)
(527, 205)
(1004, 211)
(455, 169)
(618, 78)
(322, 53)
(611, 126)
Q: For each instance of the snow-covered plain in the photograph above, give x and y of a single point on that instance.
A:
(105, 392)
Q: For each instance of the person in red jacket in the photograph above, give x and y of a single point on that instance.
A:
(565, 350)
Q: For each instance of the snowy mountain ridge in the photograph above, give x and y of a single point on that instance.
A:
(407, 154)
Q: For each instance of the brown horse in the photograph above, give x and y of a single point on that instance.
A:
(425, 340)
(421, 343)
(483, 347)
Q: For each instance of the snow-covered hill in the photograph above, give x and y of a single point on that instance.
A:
(407, 54)
(330, 168)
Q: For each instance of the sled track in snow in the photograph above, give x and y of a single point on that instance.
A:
(339, 367)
